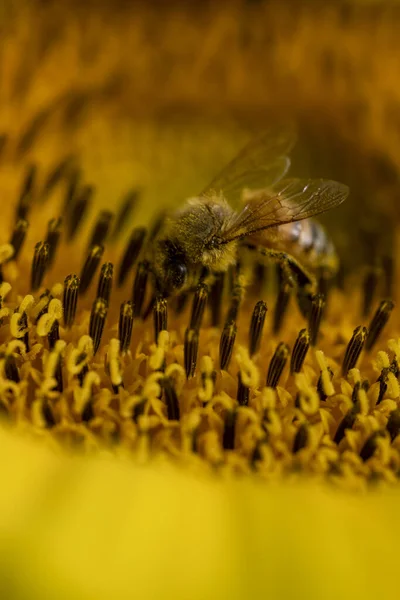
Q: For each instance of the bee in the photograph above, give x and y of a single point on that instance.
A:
(249, 204)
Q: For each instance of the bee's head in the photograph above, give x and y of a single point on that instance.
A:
(172, 269)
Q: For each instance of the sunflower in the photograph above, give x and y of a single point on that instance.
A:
(190, 434)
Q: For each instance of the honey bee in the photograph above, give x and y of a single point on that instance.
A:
(249, 205)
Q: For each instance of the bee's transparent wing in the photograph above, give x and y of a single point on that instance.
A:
(291, 200)
(262, 163)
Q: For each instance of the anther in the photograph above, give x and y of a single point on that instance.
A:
(354, 348)
(124, 213)
(320, 385)
(277, 364)
(378, 323)
(105, 282)
(10, 369)
(40, 264)
(316, 312)
(393, 424)
(215, 298)
(53, 335)
(18, 237)
(125, 325)
(60, 170)
(383, 384)
(370, 286)
(228, 438)
(53, 237)
(156, 226)
(131, 254)
(160, 316)
(79, 210)
(97, 321)
(198, 306)
(48, 414)
(281, 305)
(74, 179)
(300, 350)
(190, 350)
(301, 438)
(171, 399)
(257, 326)
(70, 299)
(347, 422)
(26, 194)
(226, 344)
(243, 392)
(139, 288)
(101, 229)
(371, 445)
(89, 268)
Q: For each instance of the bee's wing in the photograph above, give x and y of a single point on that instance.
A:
(292, 200)
(262, 163)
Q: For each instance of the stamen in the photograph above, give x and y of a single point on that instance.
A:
(48, 414)
(53, 237)
(354, 348)
(371, 445)
(10, 369)
(300, 350)
(257, 326)
(190, 350)
(125, 325)
(101, 229)
(171, 399)
(70, 299)
(281, 305)
(198, 306)
(97, 321)
(243, 392)
(40, 264)
(347, 422)
(71, 191)
(60, 170)
(113, 365)
(226, 344)
(18, 237)
(370, 287)
(215, 298)
(79, 211)
(378, 323)
(321, 386)
(26, 194)
(316, 312)
(393, 424)
(124, 214)
(89, 268)
(105, 282)
(131, 253)
(228, 438)
(139, 288)
(277, 364)
(301, 438)
(383, 384)
(160, 316)
(54, 334)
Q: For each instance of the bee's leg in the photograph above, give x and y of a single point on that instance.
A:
(295, 274)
